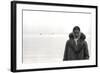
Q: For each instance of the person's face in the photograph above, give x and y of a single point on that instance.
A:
(76, 33)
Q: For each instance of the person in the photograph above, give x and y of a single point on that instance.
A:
(76, 47)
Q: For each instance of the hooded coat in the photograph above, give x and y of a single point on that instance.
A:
(76, 52)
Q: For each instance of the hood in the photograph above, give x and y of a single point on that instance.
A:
(82, 36)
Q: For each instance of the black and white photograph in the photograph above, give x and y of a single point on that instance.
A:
(76, 47)
(53, 36)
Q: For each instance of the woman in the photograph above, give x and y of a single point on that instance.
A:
(76, 47)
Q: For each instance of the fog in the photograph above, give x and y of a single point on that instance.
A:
(45, 34)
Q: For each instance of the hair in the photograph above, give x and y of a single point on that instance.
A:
(76, 28)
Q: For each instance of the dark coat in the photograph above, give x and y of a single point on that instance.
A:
(76, 52)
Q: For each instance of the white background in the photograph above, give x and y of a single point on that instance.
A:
(5, 36)
(50, 46)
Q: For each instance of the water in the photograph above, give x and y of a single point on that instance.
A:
(45, 48)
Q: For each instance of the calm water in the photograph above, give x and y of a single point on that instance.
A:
(45, 48)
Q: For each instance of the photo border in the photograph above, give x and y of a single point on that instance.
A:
(14, 38)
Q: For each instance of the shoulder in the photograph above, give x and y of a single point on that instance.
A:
(70, 41)
(84, 42)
